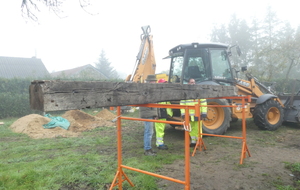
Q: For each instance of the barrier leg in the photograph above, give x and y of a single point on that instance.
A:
(200, 143)
(244, 146)
(120, 174)
(244, 150)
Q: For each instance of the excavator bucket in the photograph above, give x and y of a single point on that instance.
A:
(291, 107)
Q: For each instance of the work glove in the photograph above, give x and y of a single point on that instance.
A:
(203, 116)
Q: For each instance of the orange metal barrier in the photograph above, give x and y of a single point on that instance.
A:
(200, 143)
(120, 176)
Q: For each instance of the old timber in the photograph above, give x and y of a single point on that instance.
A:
(55, 95)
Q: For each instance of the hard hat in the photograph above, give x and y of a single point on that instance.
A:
(162, 81)
(151, 78)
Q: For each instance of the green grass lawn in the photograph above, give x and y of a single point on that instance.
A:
(89, 161)
(85, 162)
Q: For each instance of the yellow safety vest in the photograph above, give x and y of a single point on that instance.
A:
(193, 102)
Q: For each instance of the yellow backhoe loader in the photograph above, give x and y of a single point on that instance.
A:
(209, 63)
(145, 60)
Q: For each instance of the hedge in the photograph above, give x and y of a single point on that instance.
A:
(14, 95)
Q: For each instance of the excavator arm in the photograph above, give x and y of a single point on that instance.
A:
(145, 61)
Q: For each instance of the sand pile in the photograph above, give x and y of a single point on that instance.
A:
(81, 121)
(32, 124)
(106, 114)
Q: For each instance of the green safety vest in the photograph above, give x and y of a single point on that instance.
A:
(193, 102)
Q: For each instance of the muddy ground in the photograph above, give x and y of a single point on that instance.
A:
(219, 168)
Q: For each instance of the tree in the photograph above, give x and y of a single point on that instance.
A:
(290, 49)
(29, 8)
(270, 46)
(239, 33)
(255, 38)
(104, 66)
(220, 35)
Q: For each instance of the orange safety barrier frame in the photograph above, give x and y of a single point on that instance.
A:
(200, 143)
(120, 176)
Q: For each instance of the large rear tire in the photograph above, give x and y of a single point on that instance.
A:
(218, 118)
(268, 115)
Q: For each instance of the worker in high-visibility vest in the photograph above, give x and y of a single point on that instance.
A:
(163, 113)
(193, 119)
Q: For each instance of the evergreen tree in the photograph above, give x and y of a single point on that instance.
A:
(290, 51)
(220, 35)
(239, 33)
(105, 67)
(270, 48)
(255, 38)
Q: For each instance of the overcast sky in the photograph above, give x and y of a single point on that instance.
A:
(77, 38)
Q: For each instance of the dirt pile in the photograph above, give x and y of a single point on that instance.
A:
(81, 121)
(32, 124)
(107, 115)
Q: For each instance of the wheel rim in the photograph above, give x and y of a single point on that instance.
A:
(273, 115)
(215, 116)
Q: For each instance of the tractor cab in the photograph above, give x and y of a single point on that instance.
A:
(207, 63)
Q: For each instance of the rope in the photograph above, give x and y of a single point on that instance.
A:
(115, 119)
(187, 128)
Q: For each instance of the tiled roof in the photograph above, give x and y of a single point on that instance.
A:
(17, 67)
(76, 71)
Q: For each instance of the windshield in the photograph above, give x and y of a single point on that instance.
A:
(196, 65)
(175, 70)
(220, 64)
(201, 64)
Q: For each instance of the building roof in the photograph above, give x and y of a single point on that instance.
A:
(77, 71)
(17, 67)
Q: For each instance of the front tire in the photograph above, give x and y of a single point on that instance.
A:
(218, 118)
(268, 115)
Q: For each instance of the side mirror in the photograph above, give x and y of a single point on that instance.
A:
(244, 68)
(238, 50)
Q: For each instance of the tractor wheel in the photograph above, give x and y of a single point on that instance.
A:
(218, 118)
(268, 115)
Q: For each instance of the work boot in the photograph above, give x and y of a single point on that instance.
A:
(192, 144)
(163, 147)
(150, 152)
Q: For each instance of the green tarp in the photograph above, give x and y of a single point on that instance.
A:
(57, 122)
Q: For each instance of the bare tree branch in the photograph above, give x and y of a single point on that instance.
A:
(29, 8)
(26, 8)
(84, 4)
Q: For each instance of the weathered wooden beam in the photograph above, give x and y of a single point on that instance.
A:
(67, 95)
